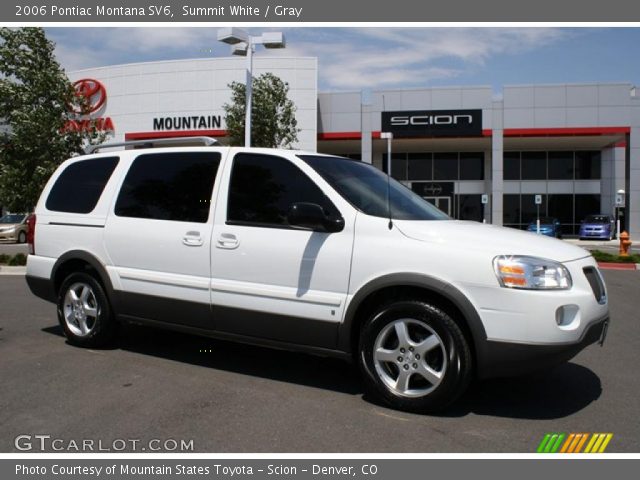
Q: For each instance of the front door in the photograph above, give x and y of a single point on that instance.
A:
(269, 279)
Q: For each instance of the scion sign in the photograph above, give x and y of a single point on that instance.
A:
(433, 123)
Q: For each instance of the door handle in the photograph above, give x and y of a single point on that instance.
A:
(227, 240)
(192, 239)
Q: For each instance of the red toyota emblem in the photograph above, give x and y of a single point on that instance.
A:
(90, 96)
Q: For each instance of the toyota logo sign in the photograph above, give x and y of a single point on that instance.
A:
(90, 96)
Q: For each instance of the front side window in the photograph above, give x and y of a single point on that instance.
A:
(80, 185)
(366, 188)
(169, 186)
(264, 187)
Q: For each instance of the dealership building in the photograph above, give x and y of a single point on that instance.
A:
(564, 151)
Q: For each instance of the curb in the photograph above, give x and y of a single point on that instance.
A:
(6, 270)
(618, 266)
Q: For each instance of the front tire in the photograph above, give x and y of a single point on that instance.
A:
(414, 356)
(84, 311)
(22, 237)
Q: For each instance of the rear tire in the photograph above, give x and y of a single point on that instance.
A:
(414, 357)
(22, 237)
(84, 311)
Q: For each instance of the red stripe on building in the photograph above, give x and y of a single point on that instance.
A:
(174, 134)
(376, 135)
(565, 132)
(343, 135)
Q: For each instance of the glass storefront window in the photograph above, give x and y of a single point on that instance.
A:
(469, 207)
(472, 166)
(511, 165)
(425, 166)
(560, 165)
(511, 207)
(420, 166)
(445, 166)
(398, 165)
(534, 165)
(570, 209)
(560, 206)
(588, 165)
(586, 205)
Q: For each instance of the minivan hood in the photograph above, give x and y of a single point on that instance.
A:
(490, 239)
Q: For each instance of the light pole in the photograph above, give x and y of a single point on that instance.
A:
(243, 44)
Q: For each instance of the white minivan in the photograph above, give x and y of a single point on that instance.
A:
(308, 252)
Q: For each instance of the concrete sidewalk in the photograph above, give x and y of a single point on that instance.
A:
(6, 270)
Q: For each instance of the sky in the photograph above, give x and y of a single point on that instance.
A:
(384, 57)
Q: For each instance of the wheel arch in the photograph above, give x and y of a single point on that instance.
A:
(404, 286)
(79, 261)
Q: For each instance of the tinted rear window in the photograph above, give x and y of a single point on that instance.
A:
(169, 186)
(80, 185)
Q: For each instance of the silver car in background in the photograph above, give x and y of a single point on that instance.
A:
(13, 228)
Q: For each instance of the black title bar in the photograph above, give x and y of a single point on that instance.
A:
(293, 11)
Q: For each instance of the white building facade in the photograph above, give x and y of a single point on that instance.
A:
(186, 97)
(574, 146)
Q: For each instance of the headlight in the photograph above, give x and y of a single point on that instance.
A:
(531, 273)
(8, 230)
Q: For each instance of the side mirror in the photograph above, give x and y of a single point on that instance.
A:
(312, 216)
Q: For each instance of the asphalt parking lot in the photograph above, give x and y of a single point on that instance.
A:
(236, 398)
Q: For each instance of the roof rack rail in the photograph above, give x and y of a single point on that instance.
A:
(206, 141)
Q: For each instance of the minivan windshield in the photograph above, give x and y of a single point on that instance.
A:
(12, 218)
(365, 187)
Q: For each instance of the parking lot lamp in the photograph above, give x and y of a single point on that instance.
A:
(242, 44)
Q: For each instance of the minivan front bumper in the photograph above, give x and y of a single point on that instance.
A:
(503, 359)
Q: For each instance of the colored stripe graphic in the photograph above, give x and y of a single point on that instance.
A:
(543, 443)
(582, 441)
(598, 443)
(550, 443)
(573, 442)
(567, 443)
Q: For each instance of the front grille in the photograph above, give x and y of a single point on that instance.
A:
(597, 285)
